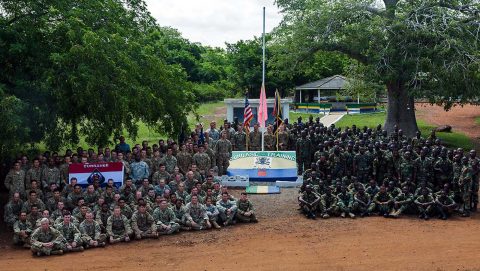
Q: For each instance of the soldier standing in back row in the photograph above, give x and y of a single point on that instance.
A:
(255, 139)
(269, 140)
(239, 139)
(303, 148)
(15, 181)
(202, 160)
(223, 149)
(283, 136)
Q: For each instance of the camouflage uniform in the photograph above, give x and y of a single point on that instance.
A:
(269, 142)
(91, 231)
(27, 205)
(223, 150)
(202, 160)
(51, 175)
(197, 214)
(18, 227)
(15, 182)
(64, 168)
(402, 203)
(170, 163)
(239, 141)
(180, 214)
(40, 236)
(184, 161)
(242, 208)
(143, 225)
(255, 141)
(424, 210)
(304, 148)
(70, 232)
(157, 176)
(382, 203)
(344, 202)
(362, 204)
(222, 208)
(283, 138)
(424, 170)
(33, 174)
(465, 185)
(118, 227)
(328, 205)
(165, 218)
(101, 218)
(407, 169)
(362, 167)
(12, 211)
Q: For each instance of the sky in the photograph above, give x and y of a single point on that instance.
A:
(214, 22)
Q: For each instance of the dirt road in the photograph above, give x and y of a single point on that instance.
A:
(284, 240)
(460, 118)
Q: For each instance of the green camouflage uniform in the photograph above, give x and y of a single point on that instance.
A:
(328, 205)
(242, 208)
(239, 141)
(170, 163)
(384, 198)
(12, 211)
(40, 236)
(255, 141)
(165, 218)
(197, 214)
(15, 182)
(91, 231)
(18, 227)
(33, 174)
(304, 153)
(344, 202)
(70, 232)
(118, 227)
(50, 175)
(143, 225)
(202, 160)
(184, 161)
(223, 150)
(424, 199)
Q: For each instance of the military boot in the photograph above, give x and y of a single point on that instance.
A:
(77, 249)
(215, 225)
(56, 252)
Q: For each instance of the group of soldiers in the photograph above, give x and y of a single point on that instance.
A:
(166, 189)
(362, 171)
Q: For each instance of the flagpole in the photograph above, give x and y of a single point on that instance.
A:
(263, 72)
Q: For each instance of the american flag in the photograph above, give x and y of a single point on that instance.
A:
(247, 115)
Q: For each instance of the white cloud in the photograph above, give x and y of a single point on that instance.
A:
(214, 22)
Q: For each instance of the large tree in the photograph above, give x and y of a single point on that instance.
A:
(416, 48)
(93, 68)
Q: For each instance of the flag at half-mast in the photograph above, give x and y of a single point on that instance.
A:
(262, 108)
(277, 110)
(247, 114)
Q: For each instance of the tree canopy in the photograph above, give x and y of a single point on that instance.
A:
(91, 68)
(421, 48)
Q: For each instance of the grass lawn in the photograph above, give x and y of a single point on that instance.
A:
(206, 113)
(454, 139)
(477, 120)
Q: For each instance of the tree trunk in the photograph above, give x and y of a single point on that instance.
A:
(400, 110)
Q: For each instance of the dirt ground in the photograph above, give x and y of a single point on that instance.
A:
(284, 240)
(460, 118)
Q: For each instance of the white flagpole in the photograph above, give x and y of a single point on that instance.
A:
(263, 73)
